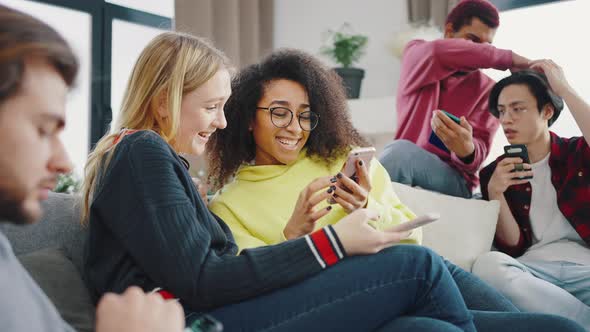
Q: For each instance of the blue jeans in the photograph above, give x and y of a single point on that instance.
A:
(486, 321)
(404, 288)
(558, 288)
(477, 294)
(409, 164)
(362, 293)
(492, 311)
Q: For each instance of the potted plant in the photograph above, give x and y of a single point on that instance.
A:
(67, 183)
(346, 48)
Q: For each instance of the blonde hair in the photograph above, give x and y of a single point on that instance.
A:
(171, 65)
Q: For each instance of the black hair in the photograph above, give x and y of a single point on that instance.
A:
(538, 86)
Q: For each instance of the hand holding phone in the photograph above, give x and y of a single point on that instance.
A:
(518, 151)
(415, 223)
(435, 140)
(365, 154)
(350, 190)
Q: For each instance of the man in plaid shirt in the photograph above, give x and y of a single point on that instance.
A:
(543, 230)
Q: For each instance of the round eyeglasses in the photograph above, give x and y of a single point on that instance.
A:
(282, 117)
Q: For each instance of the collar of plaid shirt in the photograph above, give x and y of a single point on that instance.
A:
(570, 174)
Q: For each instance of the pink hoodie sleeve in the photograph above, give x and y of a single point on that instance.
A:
(425, 62)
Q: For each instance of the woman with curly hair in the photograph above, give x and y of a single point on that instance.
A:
(279, 159)
(287, 128)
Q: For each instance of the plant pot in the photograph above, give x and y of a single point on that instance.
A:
(352, 78)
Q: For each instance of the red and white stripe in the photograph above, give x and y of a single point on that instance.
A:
(325, 246)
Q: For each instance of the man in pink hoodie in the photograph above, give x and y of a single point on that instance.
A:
(430, 149)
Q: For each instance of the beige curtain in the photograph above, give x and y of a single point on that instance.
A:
(430, 12)
(243, 29)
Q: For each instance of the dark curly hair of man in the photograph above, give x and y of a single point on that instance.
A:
(332, 138)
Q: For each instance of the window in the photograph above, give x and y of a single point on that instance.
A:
(107, 37)
(76, 27)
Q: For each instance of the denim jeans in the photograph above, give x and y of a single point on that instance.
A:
(409, 164)
(492, 311)
(477, 294)
(558, 288)
(404, 288)
(486, 321)
(362, 293)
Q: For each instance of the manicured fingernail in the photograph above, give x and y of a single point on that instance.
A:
(335, 196)
(329, 207)
(333, 188)
(330, 190)
(332, 180)
(339, 175)
(360, 163)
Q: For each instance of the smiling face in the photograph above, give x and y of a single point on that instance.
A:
(519, 115)
(280, 146)
(202, 113)
(31, 152)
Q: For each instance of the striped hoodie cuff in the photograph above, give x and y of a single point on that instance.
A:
(326, 246)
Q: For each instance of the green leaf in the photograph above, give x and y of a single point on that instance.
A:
(346, 48)
(67, 183)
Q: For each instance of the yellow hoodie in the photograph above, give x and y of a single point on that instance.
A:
(259, 202)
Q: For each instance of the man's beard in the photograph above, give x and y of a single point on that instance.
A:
(12, 209)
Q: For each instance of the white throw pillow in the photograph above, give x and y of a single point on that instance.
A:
(465, 229)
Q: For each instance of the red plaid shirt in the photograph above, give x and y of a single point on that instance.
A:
(570, 175)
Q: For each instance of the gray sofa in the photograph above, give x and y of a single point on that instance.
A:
(51, 250)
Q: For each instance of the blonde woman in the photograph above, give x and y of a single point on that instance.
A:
(149, 226)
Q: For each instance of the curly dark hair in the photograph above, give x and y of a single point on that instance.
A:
(334, 135)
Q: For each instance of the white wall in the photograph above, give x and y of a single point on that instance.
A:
(302, 24)
(548, 31)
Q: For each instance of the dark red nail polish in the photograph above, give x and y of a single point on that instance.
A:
(333, 188)
(330, 190)
(360, 163)
(339, 175)
(329, 208)
(332, 180)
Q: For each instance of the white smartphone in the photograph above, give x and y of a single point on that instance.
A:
(349, 169)
(415, 223)
(365, 154)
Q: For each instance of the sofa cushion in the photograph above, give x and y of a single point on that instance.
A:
(61, 282)
(466, 226)
(59, 228)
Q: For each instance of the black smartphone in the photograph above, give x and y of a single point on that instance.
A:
(204, 323)
(518, 151)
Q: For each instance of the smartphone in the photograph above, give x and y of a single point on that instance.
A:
(452, 117)
(349, 169)
(365, 154)
(435, 140)
(518, 151)
(415, 223)
(204, 323)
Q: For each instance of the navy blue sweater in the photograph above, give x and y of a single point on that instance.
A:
(150, 228)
